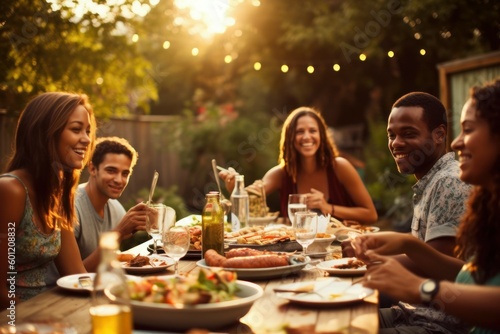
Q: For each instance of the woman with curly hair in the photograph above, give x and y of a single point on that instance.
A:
(54, 140)
(467, 287)
(310, 164)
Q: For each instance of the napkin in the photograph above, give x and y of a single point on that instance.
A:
(323, 223)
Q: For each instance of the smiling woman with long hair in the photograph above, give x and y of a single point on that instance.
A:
(310, 164)
(54, 140)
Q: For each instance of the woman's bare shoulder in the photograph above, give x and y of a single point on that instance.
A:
(343, 167)
(12, 197)
(276, 171)
(10, 186)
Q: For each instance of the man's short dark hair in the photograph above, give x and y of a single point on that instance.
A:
(116, 145)
(434, 111)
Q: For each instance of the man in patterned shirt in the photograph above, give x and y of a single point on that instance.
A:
(416, 131)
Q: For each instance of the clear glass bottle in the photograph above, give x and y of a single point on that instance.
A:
(240, 204)
(212, 224)
(110, 308)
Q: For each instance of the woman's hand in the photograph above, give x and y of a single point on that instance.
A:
(386, 274)
(386, 243)
(316, 200)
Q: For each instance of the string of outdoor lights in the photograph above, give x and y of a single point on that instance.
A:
(284, 66)
(310, 68)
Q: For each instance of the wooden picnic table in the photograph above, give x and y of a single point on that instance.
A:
(269, 314)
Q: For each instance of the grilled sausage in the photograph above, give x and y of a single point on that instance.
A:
(257, 261)
(214, 259)
(244, 251)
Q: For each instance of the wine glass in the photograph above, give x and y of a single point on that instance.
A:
(306, 227)
(176, 242)
(155, 221)
(296, 203)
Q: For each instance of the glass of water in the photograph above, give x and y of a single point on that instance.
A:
(296, 203)
(155, 222)
(176, 242)
(306, 227)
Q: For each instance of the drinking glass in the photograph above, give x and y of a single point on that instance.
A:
(296, 203)
(155, 221)
(306, 227)
(176, 243)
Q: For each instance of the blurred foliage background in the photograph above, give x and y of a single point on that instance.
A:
(223, 70)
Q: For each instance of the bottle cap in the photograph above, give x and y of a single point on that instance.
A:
(109, 240)
(213, 194)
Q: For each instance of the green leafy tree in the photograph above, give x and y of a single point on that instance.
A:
(47, 47)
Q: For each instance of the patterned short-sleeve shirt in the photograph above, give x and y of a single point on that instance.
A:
(439, 200)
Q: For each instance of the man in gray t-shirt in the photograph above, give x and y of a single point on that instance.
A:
(89, 231)
(96, 203)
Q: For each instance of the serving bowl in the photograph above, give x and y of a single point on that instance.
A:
(210, 316)
(320, 245)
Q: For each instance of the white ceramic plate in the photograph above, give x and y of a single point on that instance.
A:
(209, 316)
(262, 273)
(160, 263)
(328, 266)
(326, 293)
(71, 282)
(190, 220)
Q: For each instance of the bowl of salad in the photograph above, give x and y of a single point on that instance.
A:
(215, 299)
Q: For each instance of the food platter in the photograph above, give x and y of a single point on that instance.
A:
(209, 316)
(159, 263)
(262, 273)
(328, 292)
(328, 267)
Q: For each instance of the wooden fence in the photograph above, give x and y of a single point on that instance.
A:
(147, 134)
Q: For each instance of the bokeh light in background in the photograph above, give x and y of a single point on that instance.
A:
(206, 17)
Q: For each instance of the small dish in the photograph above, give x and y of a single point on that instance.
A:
(329, 266)
(158, 264)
